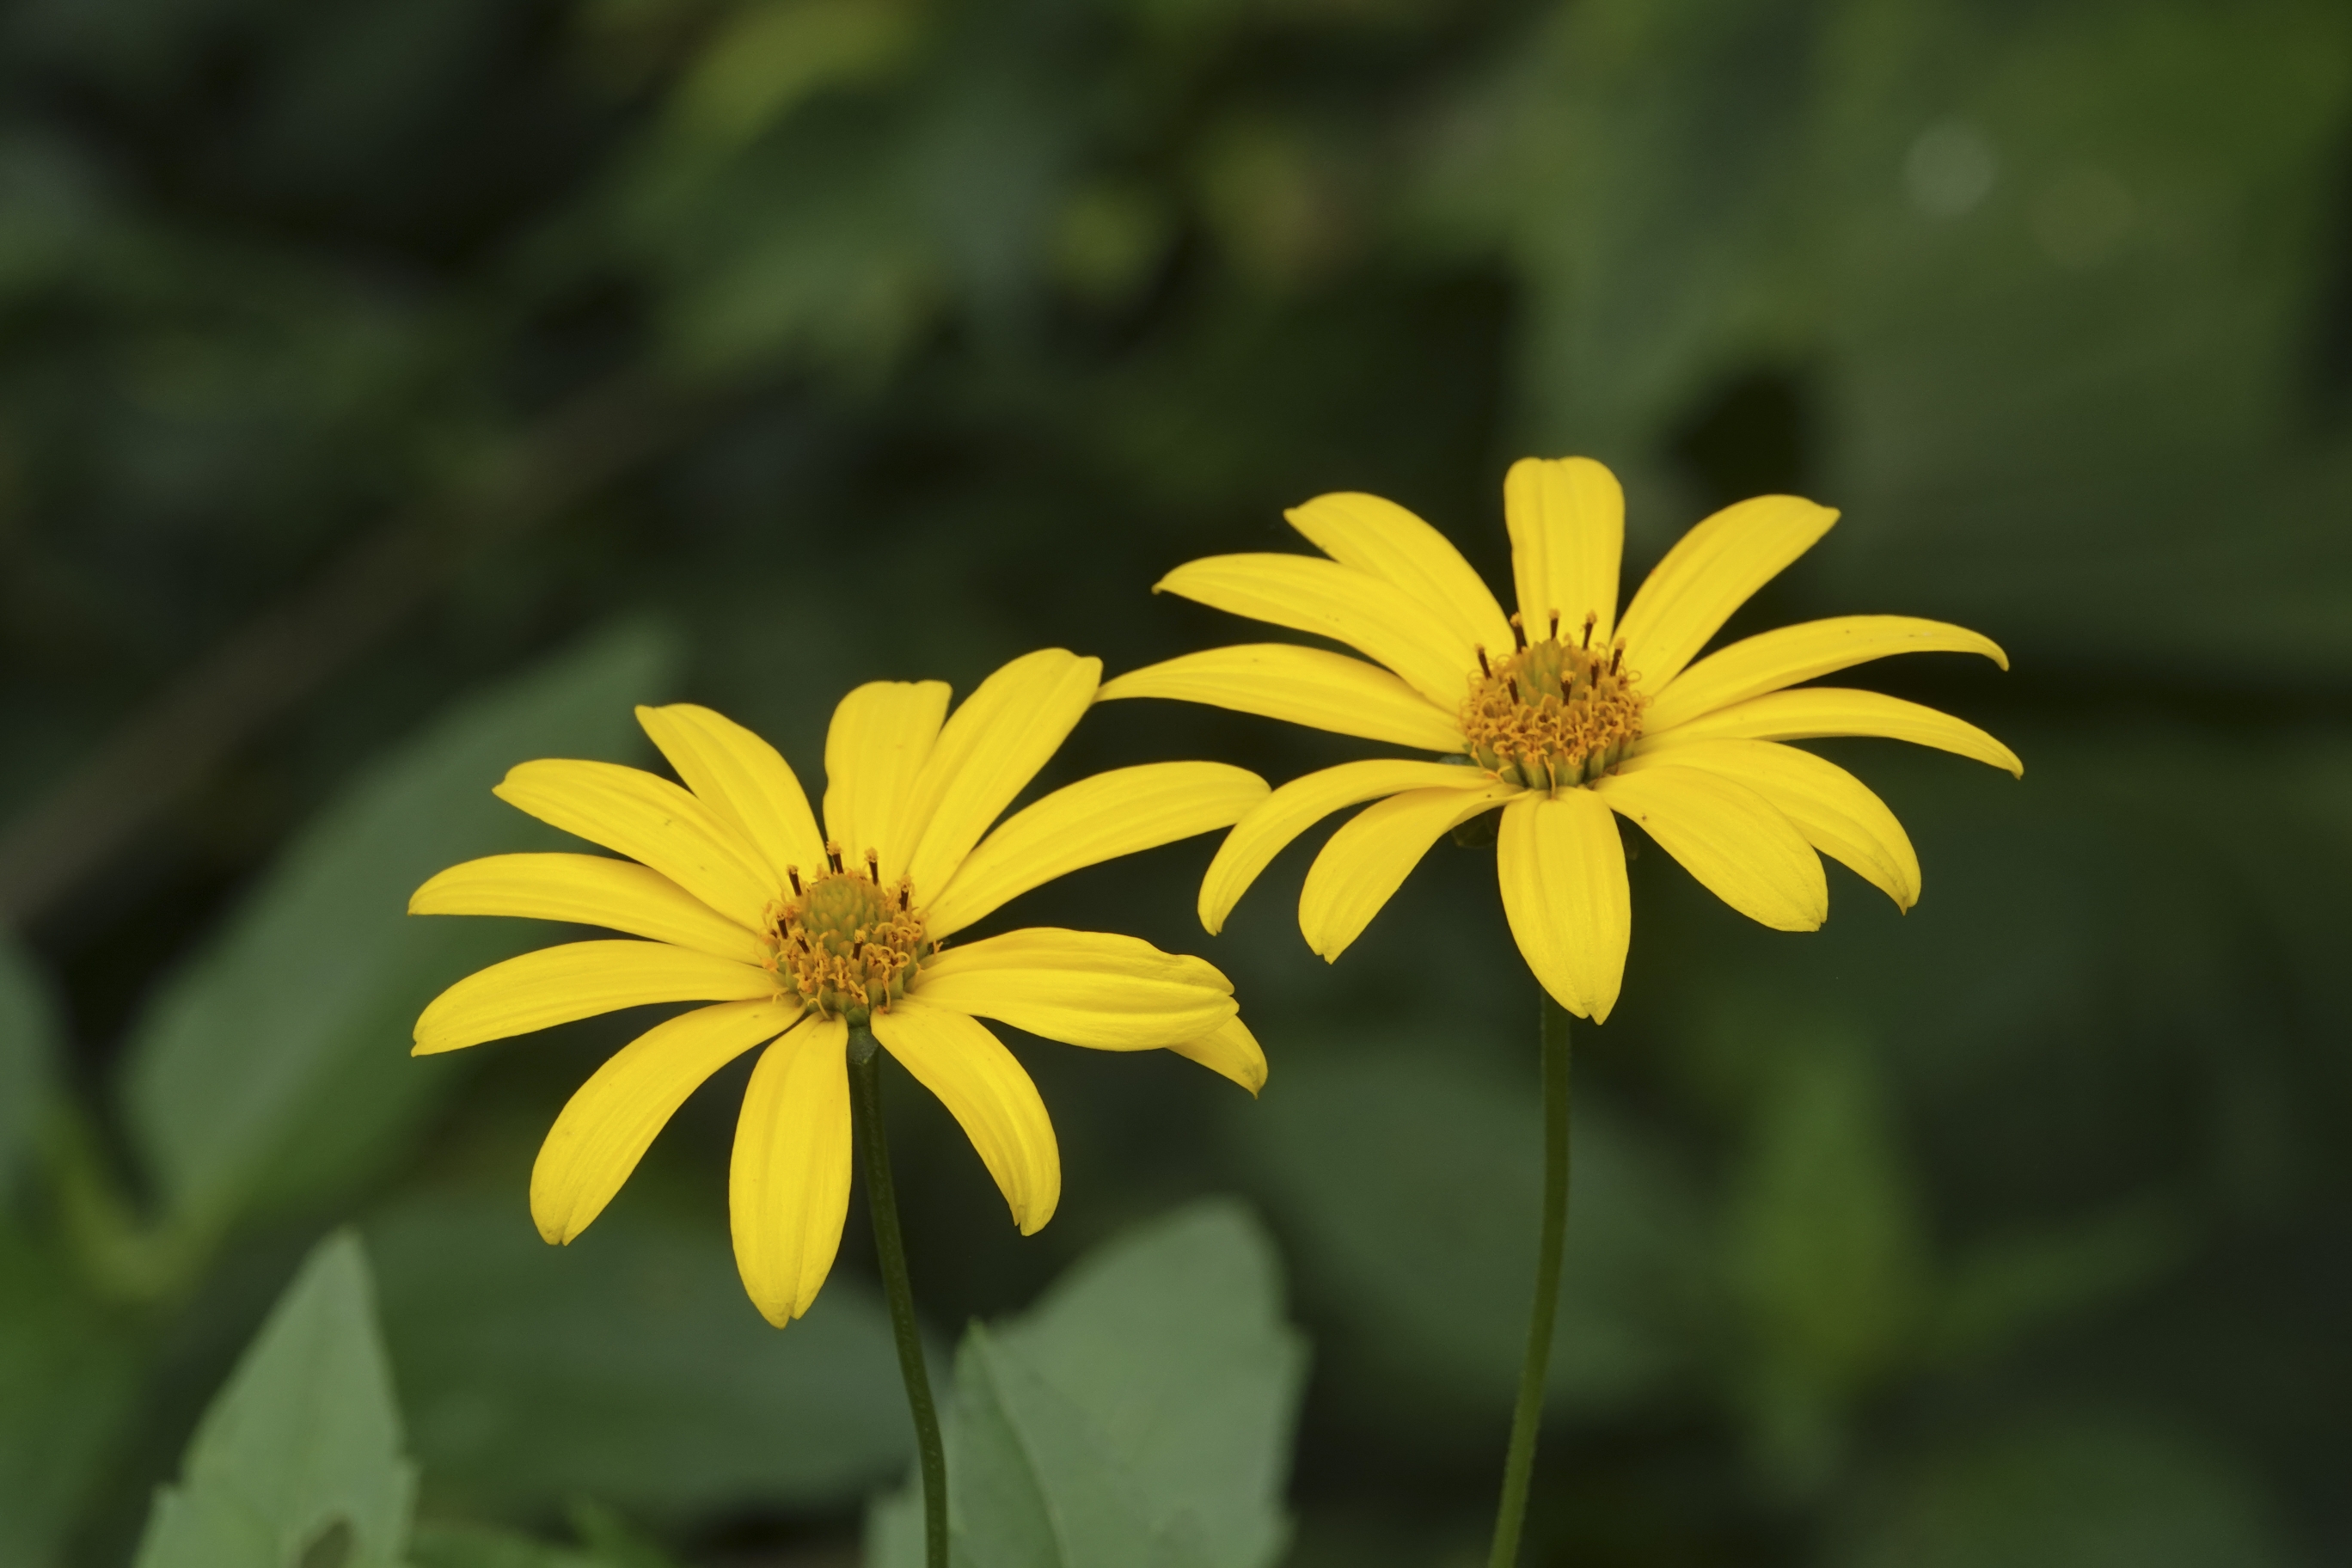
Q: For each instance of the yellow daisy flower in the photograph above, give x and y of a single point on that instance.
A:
(1565, 715)
(796, 936)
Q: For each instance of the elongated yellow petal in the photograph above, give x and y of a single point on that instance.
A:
(1770, 660)
(788, 1178)
(1096, 819)
(1373, 617)
(1710, 573)
(1382, 538)
(743, 779)
(1369, 857)
(579, 980)
(991, 749)
(1231, 1051)
(1081, 987)
(1738, 846)
(1814, 713)
(1835, 811)
(1567, 517)
(650, 820)
(989, 1094)
(607, 1126)
(881, 737)
(590, 891)
(1562, 871)
(1309, 686)
(1298, 805)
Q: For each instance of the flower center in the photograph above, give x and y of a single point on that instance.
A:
(1553, 715)
(847, 944)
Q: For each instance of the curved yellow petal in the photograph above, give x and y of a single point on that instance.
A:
(609, 1123)
(989, 1094)
(743, 779)
(1739, 846)
(1787, 655)
(650, 820)
(1376, 618)
(1081, 987)
(991, 748)
(1231, 1051)
(1309, 686)
(579, 980)
(1710, 573)
(1100, 818)
(1298, 805)
(788, 1176)
(589, 891)
(1382, 538)
(1815, 712)
(881, 735)
(1835, 811)
(1371, 856)
(1562, 871)
(1567, 517)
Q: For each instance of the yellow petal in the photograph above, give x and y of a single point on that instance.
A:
(1368, 858)
(1081, 987)
(1309, 686)
(1815, 712)
(1373, 617)
(1562, 871)
(743, 779)
(1835, 811)
(1567, 517)
(1738, 846)
(607, 1126)
(881, 737)
(788, 1178)
(579, 980)
(650, 820)
(1099, 818)
(1382, 538)
(1770, 660)
(589, 891)
(1298, 805)
(1710, 573)
(1231, 1051)
(990, 1096)
(992, 746)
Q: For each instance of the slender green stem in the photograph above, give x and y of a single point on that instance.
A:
(881, 1197)
(1520, 1463)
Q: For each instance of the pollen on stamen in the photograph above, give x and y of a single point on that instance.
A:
(848, 946)
(1519, 634)
(833, 855)
(793, 875)
(1592, 619)
(874, 868)
(1553, 715)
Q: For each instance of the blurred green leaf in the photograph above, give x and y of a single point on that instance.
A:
(298, 1458)
(272, 1072)
(627, 1366)
(70, 1371)
(31, 1054)
(1828, 1251)
(604, 1542)
(1140, 1413)
(2010, 1286)
(2081, 1492)
(1410, 1175)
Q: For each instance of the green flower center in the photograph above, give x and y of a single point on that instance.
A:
(1554, 714)
(847, 944)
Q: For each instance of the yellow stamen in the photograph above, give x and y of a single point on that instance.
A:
(848, 944)
(1552, 716)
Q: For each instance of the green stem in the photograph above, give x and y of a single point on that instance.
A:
(881, 1197)
(1519, 1466)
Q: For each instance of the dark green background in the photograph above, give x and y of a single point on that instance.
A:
(740, 352)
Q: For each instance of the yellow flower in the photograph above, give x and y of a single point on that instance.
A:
(1563, 713)
(797, 935)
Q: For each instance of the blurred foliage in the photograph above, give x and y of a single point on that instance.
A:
(2011, 1231)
